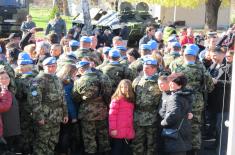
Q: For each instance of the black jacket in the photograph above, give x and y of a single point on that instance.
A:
(222, 90)
(177, 107)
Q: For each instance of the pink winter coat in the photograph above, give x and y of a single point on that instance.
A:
(121, 118)
(5, 104)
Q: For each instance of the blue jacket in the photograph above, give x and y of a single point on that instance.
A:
(72, 108)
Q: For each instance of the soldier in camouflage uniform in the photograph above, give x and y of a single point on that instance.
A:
(23, 78)
(85, 49)
(115, 70)
(64, 59)
(105, 57)
(148, 97)
(49, 108)
(123, 60)
(173, 55)
(137, 66)
(92, 91)
(198, 80)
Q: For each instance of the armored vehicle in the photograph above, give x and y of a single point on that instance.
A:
(12, 14)
(129, 21)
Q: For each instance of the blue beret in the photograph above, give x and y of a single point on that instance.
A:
(121, 48)
(150, 61)
(49, 61)
(172, 38)
(114, 53)
(85, 39)
(193, 47)
(145, 47)
(106, 50)
(153, 44)
(82, 64)
(0, 49)
(176, 44)
(190, 52)
(74, 43)
(24, 59)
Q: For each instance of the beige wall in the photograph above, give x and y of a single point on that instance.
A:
(194, 17)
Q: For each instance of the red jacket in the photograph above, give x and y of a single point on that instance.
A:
(5, 104)
(186, 40)
(121, 118)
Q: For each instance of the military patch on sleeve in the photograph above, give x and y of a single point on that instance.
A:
(34, 93)
(34, 83)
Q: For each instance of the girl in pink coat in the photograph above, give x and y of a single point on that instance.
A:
(121, 118)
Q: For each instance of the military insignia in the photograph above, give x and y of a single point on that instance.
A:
(34, 83)
(84, 97)
(34, 93)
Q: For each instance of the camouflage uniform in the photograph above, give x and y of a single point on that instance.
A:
(92, 90)
(63, 60)
(176, 63)
(81, 53)
(48, 101)
(198, 80)
(105, 62)
(137, 67)
(169, 58)
(148, 97)
(26, 121)
(116, 72)
(124, 61)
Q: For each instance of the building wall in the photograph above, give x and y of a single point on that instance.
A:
(195, 17)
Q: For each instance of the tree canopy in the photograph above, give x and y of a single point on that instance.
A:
(180, 3)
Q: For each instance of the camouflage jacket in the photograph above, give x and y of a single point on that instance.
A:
(199, 81)
(117, 72)
(22, 82)
(176, 63)
(148, 97)
(47, 98)
(81, 53)
(169, 58)
(137, 67)
(92, 91)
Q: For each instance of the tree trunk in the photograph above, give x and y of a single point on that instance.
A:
(212, 9)
(65, 8)
(87, 28)
(55, 3)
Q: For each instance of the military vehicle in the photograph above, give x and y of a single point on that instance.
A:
(12, 14)
(129, 21)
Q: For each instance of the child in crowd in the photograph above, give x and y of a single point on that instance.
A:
(121, 118)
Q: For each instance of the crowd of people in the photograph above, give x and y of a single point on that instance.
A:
(76, 94)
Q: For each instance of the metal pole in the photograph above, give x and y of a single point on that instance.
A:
(231, 124)
(175, 11)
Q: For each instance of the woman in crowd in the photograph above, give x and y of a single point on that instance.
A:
(175, 117)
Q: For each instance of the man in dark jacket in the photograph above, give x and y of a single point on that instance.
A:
(150, 32)
(219, 98)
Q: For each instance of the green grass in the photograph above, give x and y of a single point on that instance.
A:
(41, 18)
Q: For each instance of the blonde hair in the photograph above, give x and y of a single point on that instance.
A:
(130, 96)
